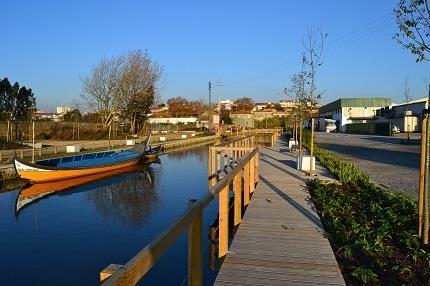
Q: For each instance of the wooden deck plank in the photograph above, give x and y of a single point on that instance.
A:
(281, 239)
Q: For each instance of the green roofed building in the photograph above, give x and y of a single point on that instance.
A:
(351, 110)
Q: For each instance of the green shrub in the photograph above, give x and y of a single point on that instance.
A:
(372, 230)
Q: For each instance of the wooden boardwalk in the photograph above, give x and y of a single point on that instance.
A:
(280, 240)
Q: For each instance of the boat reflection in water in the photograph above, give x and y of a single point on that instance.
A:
(130, 187)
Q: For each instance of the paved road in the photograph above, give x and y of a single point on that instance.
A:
(384, 159)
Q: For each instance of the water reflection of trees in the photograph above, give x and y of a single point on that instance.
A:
(129, 201)
(200, 153)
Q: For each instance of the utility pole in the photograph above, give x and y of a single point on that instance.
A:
(210, 105)
(219, 85)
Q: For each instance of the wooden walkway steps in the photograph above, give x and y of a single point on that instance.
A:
(280, 240)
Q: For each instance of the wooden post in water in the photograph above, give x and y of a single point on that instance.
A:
(223, 222)
(55, 149)
(210, 167)
(246, 184)
(7, 132)
(422, 173)
(195, 261)
(32, 157)
(110, 129)
(21, 153)
(237, 188)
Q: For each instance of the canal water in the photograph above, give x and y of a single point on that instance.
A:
(68, 237)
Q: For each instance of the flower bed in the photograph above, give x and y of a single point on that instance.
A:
(372, 230)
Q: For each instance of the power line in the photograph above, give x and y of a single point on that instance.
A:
(340, 42)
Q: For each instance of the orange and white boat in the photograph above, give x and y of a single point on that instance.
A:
(83, 165)
(36, 192)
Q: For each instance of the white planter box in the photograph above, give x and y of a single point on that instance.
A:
(162, 138)
(304, 163)
(184, 136)
(130, 142)
(292, 143)
(73, 148)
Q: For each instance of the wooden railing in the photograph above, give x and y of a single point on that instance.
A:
(231, 164)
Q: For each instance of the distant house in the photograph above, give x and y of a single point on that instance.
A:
(263, 114)
(42, 115)
(158, 108)
(258, 106)
(288, 103)
(242, 119)
(406, 116)
(227, 104)
(172, 120)
(352, 110)
(203, 120)
(61, 110)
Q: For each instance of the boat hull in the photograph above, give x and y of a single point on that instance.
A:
(37, 174)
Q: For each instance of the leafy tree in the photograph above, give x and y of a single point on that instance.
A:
(413, 20)
(225, 115)
(178, 106)
(244, 104)
(73, 115)
(278, 107)
(16, 103)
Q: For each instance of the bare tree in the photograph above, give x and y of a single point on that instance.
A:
(138, 86)
(244, 104)
(298, 93)
(100, 89)
(413, 19)
(313, 46)
(124, 85)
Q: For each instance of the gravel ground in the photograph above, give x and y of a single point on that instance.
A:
(387, 161)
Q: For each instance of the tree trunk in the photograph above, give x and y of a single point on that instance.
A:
(311, 161)
(422, 173)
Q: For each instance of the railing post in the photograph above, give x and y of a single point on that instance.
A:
(223, 222)
(210, 171)
(246, 184)
(237, 188)
(109, 271)
(195, 272)
(252, 174)
(257, 167)
(218, 157)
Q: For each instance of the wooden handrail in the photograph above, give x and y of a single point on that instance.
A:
(141, 263)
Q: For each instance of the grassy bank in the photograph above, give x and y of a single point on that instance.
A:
(10, 181)
(372, 230)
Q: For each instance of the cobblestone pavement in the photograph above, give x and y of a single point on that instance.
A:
(387, 161)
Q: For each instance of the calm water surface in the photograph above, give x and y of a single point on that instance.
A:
(68, 237)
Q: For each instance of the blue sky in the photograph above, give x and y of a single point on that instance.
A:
(252, 46)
